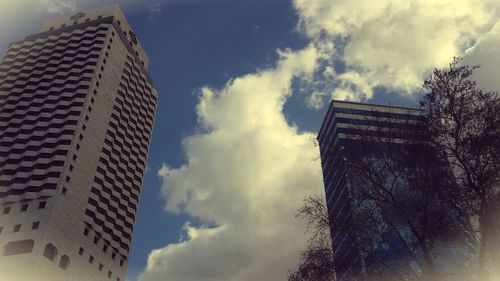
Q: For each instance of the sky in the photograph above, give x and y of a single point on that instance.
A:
(244, 86)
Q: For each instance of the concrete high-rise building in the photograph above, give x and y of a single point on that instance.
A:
(76, 114)
(343, 136)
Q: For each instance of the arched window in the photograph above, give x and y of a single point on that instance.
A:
(18, 247)
(50, 251)
(64, 262)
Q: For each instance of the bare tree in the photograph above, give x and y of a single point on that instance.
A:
(464, 126)
(315, 213)
(420, 188)
(401, 218)
(316, 262)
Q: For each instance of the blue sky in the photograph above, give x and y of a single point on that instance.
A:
(244, 86)
(191, 46)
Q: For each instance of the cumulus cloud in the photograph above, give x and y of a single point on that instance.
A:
(247, 172)
(248, 169)
(19, 18)
(155, 10)
(394, 44)
(486, 54)
(58, 6)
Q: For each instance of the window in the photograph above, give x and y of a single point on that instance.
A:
(74, 156)
(84, 127)
(64, 262)
(102, 68)
(105, 248)
(80, 137)
(96, 240)
(90, 109)
(64, 190)
(24, 207)
(100, 267)
(17, 228)
(77, 146)
(99, 75)
(109, 273)
(42, 205)
(35, 225)
(81, 251)
(18, 247)
(6, 210)
(71, 167)
(104, 61)
(86, 232)
(86, 118)
(50, 251)
(121, 262)
(92, 100)
(68, 178)
(113, 255)
(112, 33)
(119, 23)
(91, 259)
(106, 54)
(97, 83)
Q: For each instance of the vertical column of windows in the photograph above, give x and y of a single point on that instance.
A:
(115, 194)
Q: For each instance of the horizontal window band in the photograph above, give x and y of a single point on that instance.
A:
(43, 137)
(31, 189)
(39, 166)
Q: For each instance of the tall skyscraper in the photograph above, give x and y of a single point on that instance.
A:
(343, 136)
(76, 115)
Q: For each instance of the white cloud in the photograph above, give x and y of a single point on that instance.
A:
(248, 169)
(155, 10)
(392, 43)
(19, 18)
(247, 173)
(315, 100)
(58, 6)
(486, 53)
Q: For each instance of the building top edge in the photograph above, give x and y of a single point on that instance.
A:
(365, 107)
(113, 10)
(375, 105)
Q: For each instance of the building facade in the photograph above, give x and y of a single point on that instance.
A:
(76, 115)
(345, 135)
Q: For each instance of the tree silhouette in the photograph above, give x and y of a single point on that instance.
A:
(419, 189)
(464, 126)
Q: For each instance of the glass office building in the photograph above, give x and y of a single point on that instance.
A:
(344, 135)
